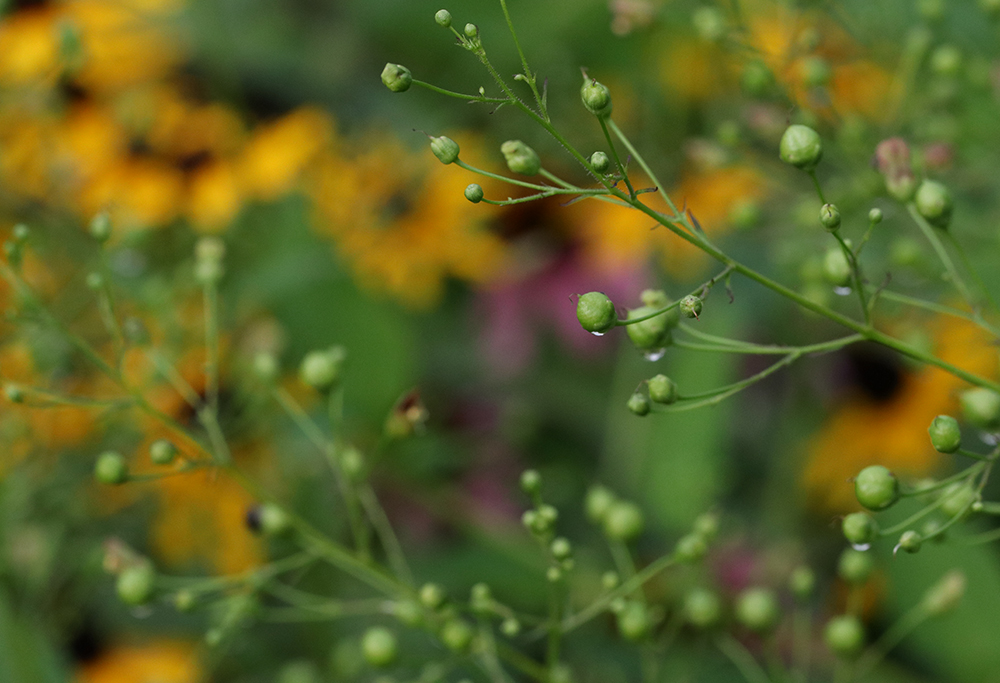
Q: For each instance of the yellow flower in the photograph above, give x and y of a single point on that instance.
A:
(278, 152)
(161, 661)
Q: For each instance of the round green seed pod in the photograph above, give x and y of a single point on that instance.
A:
(860, 528)
(471, 31)
(397, 77)
(100, 227)
(662, 389)
(690, 306)
(136, 583)
(690, 548)
(111, 468)
(757, 609)
(274, 521)
(474, 193)
(95, 281)
(633, 621)
(855, 566)
(801, 147)
(845, 636)
(651, 334)
(946, 436)
(958, 499)
(321, 369)
(944, 595)
(600, 162)
(445, 149)
(836, 267)
(185, 600)
(456, 634)
(934, 202)
(981, 408)
(638, 404)
(875, 216)
(266, 366)
(379, 646)
(596, 312)
(910, 541)
(596, 97)
(407, 612)
(162, 452)
(598, 501)
(432, 596)
(802, 582)
(561, 548)
(829, 216)
(531, 481)
(876, 488)
(623, 521)
(443, 18)
(702, 608)
(521, 158)
(510, 627)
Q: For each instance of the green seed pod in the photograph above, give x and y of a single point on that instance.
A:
(638, 404)
(709, 23)
(910, 541)
(610, 580)
(662, 389)
(397, 77)
(757, 609)
(136, 583)
(321, 370)
(456, 634)
(933, 201)
(185, 600)
(875, 216)
(981, 408)
(100, 227)
(432, 596)
(946, 436)
(829, 216)
(946, 61)
(600, 162)
(95, 281)
(596, 97)
(443, 18)
(481, 599)
(944, 595)
(633, 621)
(855, 566)
(510, 627)
(836, 267)
(958, 499)
(14, 393)
(162, 452)
(208, 272)
(707, 526)
(445, 149)
(554, 574)
(876, 488)
(756, 79)
(597, 503)
(274, 521)
(561, 548)
(690, 306)
(379, 646)
(408, 612)
(845, 636)
(474, 193)
(651, 334)
(702, 608)
(265, 366)
(111, 468)
(521, 158)
(816, 72)
(531, 482)
(690, 548)
(596, 312)
(802, 583)
(801, 147)
(623, 521)
(471, 31)
(860, 528)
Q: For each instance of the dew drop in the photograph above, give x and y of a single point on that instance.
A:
(989, 438)
(597, 334)
(842, 291)
(861, 547)
(653, 356)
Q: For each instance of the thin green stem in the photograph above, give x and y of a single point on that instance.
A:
(622, 171)
(940, 308)
(890, 639)
(969, 269)
(741, 658)
(386, 534)
(701, 291)
(819, 189)
(949, 265)
(856, 276)
(720, 394)
(211, 293)
(529, 77)
(646, 169)
(462, 96)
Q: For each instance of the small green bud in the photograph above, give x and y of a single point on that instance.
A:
(561, 548)
(456, 634)
(481, 598)
(397, 77)
(471, 31)
(855, 566)
(946, 61)
(209, 249)
(274, 521)
(946, 436)
(610, 580)
(510, 627)
(596, 97)
(756, 79)
(633, 621)
(702, 608)
(654, 333)
(596, 312)
(265, 366)
(407, 612)
(707, 526)
(876, 488)
(690, 306)
(801, 147)
(600, 162)
(445, 149)
(208, 272)
(844, 635)
(816, 72)
(95, 281)
(623, 521)
(100, 227)
(910, 541)
(958, 499)
(662, 389)
(162, 452)
(14, 393)
(321, 370)
(547, 515)
(981, 408)
(860, 528)
(379, 646)
(709, 23)
(836, 267)
(432, 596)
(111, 468)
(829, 216)
(875, 216)
(690, 548)
(802, 582)
(757, 609)
(474, 193)
(597, 503)
(136, 583)
(553, 574)
(185, 600)
(443, 18)
(20, 233)
(638, 404)
(531, 482)
(944, 595)
(933, 201)
(521, 158)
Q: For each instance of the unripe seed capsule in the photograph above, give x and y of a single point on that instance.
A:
(844, 635)
(801, 147)
(958, 499)
(474, 193)
(445, 149)
(876, 487)
(111, 468)
(432, 596)
(596, 97)
(456, 635)
(702, 608)
(379, 646)
(596, 312)
(443, 18)
(802, 582)
(521, 158)
(531, 481)
(910, 541)
(860, 528)
(855, 566)
(829, 216)
(836, 267)
(510, 627)
(651, 334)
(162, 452)
(321, 369)
(757, 609)
(945, 595)
(633, 621)
(946, 436)
(875, 216)
(397, 77)
(600, 162)
(933, 201)
(597, 503)
(561, 548)
(638, 404)
(623, 521)
(981, 408)
(471, 31)
(100, 227)
(662, 389)
(690, 306)
(136, 583)
(690, 548)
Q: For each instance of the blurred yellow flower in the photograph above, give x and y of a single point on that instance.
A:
(161, 661)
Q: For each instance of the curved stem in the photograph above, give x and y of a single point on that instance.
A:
(461, 96)
(949, 265)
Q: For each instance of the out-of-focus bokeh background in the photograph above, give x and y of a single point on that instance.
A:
(265, 123)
